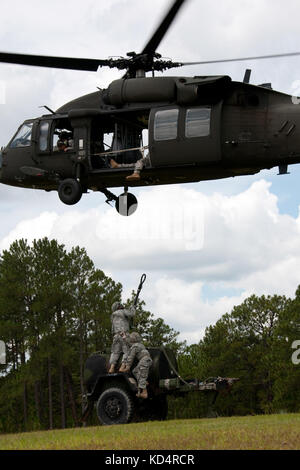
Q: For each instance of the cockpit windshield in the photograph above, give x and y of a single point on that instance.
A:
(23, 136)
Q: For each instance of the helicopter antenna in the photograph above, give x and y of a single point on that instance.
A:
(48, 109)
(247, 76)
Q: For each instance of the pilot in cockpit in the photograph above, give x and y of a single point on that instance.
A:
(65, 142)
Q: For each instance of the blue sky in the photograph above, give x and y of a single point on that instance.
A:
(248, 227)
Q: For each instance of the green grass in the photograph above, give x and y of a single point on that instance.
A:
(279, 432)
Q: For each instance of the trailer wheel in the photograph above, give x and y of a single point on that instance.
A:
(155, 409)
(161, 408)
(70, 191)
(115, 406)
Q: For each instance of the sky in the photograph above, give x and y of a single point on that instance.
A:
(205, 247)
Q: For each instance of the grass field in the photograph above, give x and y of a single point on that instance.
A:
(279, 432)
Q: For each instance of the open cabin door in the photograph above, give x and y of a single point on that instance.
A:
(184, 135)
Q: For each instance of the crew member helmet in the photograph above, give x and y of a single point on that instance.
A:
(135, 337)
(116, 306)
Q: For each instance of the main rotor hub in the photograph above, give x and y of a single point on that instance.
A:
(144, 62)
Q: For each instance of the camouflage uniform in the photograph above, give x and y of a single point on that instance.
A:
(120, 329)
(138, 166)
(138, 350)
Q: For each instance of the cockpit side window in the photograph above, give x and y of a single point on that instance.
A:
(23, 136)
(43, 138)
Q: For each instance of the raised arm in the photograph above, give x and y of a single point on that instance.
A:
(130, 312)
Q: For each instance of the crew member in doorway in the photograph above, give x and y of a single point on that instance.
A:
(138, 166)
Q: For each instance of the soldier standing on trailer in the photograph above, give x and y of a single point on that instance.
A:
(141, 371)
(120, 319)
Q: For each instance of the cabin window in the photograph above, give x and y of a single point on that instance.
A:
(197, 122)
(43, 139)
(23, 136)
(166, 124)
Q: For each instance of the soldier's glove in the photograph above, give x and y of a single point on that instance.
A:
(126, 369)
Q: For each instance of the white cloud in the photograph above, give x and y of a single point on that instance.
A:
(249, 247)
(182, 306)
(240, 243)
(30, 229)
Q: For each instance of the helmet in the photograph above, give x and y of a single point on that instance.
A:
(64, 135)
(61, 142)
(135, 337)
(116, 306)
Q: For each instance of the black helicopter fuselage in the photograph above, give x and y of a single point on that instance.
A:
(199, 128)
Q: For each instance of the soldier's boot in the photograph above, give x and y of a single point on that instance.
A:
(134, 177)
(114, 164)
(123, 367)
(143, 394)
(111, 369)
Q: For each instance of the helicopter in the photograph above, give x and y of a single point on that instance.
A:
(199, 128)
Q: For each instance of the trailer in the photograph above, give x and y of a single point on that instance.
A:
(114, 395)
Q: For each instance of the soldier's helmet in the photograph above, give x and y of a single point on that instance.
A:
(135, 337)
(64, 135)
(116, 306)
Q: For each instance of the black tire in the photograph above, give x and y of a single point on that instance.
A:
(70, 191)
(115, 406)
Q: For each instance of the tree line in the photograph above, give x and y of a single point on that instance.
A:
(55, 308)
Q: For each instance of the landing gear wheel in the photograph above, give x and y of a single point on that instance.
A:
(126, 204)
(70, 191)
(114, 406)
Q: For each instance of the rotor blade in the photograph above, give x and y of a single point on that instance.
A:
(53, 62)
(155, 40)
(272, 56)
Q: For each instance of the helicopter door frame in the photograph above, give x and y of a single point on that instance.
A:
(55, 161)
(171, 145)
